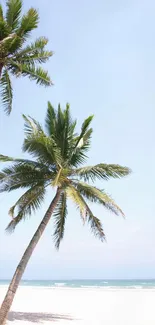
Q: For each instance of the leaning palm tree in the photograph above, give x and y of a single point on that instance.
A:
(17, 59)
(58, 155)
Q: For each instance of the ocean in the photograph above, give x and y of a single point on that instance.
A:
(108, 284)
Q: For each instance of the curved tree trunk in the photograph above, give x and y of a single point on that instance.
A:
(1, 67)
(5, 307)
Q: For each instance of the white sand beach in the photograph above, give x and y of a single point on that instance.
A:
(35, 305)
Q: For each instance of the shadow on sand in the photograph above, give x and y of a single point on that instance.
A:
(36, 317)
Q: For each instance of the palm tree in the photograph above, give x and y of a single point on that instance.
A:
(15, 58)
(58, 155)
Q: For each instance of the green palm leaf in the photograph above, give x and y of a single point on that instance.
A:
(29, 70)
(62, 125)
(31, 126)
(38, 45)
(95, 195)
(95, 224)
(28, 23)
(34, 53)
(60, 215)
(61, 128)
(84, 129)
(85, 211)
(43, 148)
(4, 158)
(13, 13)
(101, 171)
(28, 203)
(64, 132)
(24, 175)
(37, 57)
(50, 120)
(81, 146)
(4, 29)
(6, 91)
(23, 162)
(75, 196)
(38, 144)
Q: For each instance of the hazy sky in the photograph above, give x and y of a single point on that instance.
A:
(104, 63)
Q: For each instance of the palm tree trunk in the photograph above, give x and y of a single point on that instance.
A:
(5, 307)
(1, 67)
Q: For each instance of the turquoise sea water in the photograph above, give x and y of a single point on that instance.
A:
(108, 284)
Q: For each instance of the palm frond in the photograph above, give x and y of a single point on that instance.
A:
(84, 129)
(60, 215)
(39, 43)
(31, 126)
(64, 132)
(6, 91)
(85, 211)
(43, 148)
(24, 175)
(60, 127)
(34, 53)
(68, 134)
(95, 195)
(4, 29)
(4, 158)
(13, 12)
(96, 226)
(33, 73)
(40, 145)
(34, 58)
(63, 118)
(28, 23)
(50, 120)
(101, 171)
(78, 155)
(77, 199)
(29, 202)
(24, 162)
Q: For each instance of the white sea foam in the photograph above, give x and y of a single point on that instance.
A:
(60, 284)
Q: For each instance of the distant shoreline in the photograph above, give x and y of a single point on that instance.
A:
(108, 284)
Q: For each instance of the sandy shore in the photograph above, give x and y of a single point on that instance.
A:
(81, 306)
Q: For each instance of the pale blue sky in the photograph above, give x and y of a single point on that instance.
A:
(104, 64)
